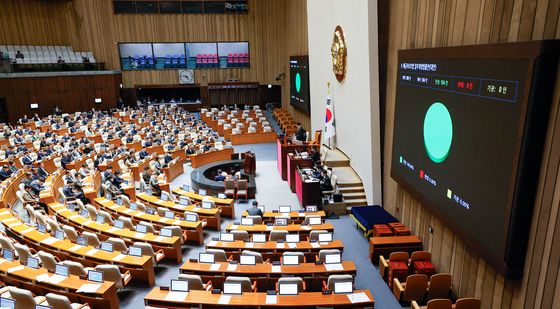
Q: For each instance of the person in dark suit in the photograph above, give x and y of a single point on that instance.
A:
(26, 159)
(300, 133)
(219, 176)
(315, 156)
(255, 210)
(5, 173)
(143, 153)
(65, 159)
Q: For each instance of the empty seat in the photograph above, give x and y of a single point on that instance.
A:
(246, 285)
(195, 282)
(62, 302)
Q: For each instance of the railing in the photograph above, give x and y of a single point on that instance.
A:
(7, 67)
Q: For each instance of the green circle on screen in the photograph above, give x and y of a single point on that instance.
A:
(438, 132)
(298, 82)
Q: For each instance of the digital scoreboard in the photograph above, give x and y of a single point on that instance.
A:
(469, 128)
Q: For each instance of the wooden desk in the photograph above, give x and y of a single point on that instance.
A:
(212, 216)
(295, 216)
(138, 167)
(193, 229)
(141, 268)
(52, 183)
(253, 138)
(293, 163)
(386, 245)
(308, 193)
(171, 246)
(199, 160)
(176, 169)
(226, 205)
(283, 149)
(11, 186)
(266, 274)
(13, 273)
(205, 299)
(291, 228)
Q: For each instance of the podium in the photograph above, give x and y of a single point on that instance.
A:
(283, 149)
(293, 163)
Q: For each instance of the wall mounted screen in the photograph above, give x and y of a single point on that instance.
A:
(469, 128)
(299, 83)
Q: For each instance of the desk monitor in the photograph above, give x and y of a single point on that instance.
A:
(133, 206)
(311, 208)
(149, 191)
(33, 262)
(179, 285)
(106, 246)
(82, 241)
(186, 188)
(141, 228)
(190, 217)
(315, 221)
(164, 197)
(232, 288)
(7, 303)
(281, 221)
(84, 213)
(226, 237)
(261, 208)
(59, 234)
(247, 260)
(166, 232)
(206, 258)
(61, 270)
(119, 201)
(333, 258)
(41, 307)
(290, 260)
(119, 224)
(41, 228)
(95, 276)
(288, 289)
(8, 254)
(343, 287)
(100, 219)
(201, 191)
(183, 201)
(259, 238)
(325, 237)
(206, 205)
(150, 211)
(135, 251)
(169, 214)
(293, 238)
(284, 209)
(247, 221)
(222, 196)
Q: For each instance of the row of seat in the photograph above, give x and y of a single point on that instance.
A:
(24, 299)
(45, 54)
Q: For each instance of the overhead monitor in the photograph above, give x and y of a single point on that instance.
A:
(300, 97)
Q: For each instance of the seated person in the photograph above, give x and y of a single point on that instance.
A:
(220, 176)
(255, 210)
(300, 133)
(33, 200)
(154, 184)
(5, 173)
(326, 183)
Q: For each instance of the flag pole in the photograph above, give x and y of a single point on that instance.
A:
(329, 93)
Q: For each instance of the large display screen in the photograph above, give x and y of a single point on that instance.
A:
(464, 123)
(299, 83)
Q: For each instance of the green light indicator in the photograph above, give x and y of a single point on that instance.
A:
(438, 132)
(298, 82)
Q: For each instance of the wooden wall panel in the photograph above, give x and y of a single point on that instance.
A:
(462, 22)
(33, 22)
(70, 93)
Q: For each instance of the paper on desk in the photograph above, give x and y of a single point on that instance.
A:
(112, 229)
(176, 296)
(88, 288)
(331, 267)
(231, 267)
(234, 227)
(88, 222)
(128, 210)
(305, 227)
(315, 245)
(139, 235)
(75, 248)
(72, 217)
(276, 269)
(162, 219)
(292, 245)
(279, 245)
(249, 245)
(177, 222)
(196, 209)
(301, 214)
(56, 279)
(212, 243)
(358, 297)
(49, 241)
(119, 257)
(92, 252)
(43, 277)
(12, 225)
(271, 299)
(159, 238)
(16, 268)
(27, 231)
(269, 228)
(215, 267)
(224, 299)
(324, 243)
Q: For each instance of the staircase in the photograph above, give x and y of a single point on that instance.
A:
(349, 182)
